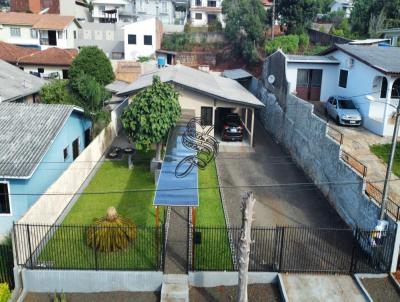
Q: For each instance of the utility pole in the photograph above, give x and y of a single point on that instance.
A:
(273, 21)
(248, 202)
(390, 162)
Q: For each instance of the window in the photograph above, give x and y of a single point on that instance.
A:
(34, 34)
(148, 40)
(74, 34)
(384, 88)
(60, 34)
(75, 149)
(164, 7)
(212, 3)
(15, 32)
(40, 70)
(131, 39)
(65, 153)
(206, 116)
(343, 78)
(198, 16)
(102, 8)
(66, 34)
(4, 199)
(88, 137)
(198, 2)
(65, 74)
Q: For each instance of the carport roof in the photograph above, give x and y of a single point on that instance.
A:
(215, 86)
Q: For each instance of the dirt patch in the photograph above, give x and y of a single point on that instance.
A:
(381, 289)
(256, 293)
(97, 297)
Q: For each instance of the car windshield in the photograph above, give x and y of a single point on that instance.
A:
(346, 104)
(232, 119)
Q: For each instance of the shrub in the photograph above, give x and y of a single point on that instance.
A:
(215, 26)
(177, 42)
(142, 59)
(56, 92)
(304, 40)
(5, 293)
(288, 44)
(111, 233)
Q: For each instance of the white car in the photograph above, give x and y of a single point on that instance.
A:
(343, 111)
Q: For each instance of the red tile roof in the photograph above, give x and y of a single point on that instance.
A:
(51, 56)
(32, 56)
(45, 21)
(267, 3)
(11, 53)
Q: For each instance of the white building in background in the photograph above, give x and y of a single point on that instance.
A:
(76, 8)
(366, 74)
(40, 31)
(342, 5)
(203, 12)
(142, 38)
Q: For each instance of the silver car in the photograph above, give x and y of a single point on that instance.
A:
(343, 111)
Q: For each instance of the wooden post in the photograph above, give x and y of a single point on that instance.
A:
(248, 202)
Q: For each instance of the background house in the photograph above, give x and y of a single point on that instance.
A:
(394, 35)
(205, 95)
(203, 12)
(41, 31)
(113, 11)
(39, 141)
(52, 62)
(342, 5)
(367, 74)
(17, 85)
(142, 38)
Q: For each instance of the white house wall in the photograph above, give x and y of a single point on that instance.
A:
(47, 69)
(329, 77)
(140, 29)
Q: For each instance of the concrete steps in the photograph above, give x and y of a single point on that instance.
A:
(175, 288)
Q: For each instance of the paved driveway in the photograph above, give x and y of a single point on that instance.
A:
(269, 164)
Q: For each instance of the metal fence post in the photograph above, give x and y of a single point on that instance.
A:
(281, 249)
(95, 248)
(353, 261)
(29, 246)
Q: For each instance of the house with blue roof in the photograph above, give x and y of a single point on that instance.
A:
(37, 144)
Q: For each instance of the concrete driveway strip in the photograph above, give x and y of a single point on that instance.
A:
(269, 164)
(326, 288)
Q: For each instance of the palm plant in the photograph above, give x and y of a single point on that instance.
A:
(111, 232)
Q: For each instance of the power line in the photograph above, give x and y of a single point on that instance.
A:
(277, 185)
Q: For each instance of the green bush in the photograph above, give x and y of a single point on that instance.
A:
(5, 293)
(215, 26)
(56, 92)
(142, 59)
(177, 42)
(288, 44)
(304, 40)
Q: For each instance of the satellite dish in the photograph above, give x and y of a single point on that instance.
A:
(271, 79)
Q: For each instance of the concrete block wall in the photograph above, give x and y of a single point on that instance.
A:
(304, 136)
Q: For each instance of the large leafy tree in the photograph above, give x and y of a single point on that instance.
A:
(91, 61)
(151, 114)
(297, 14)
(245, 26)
(56, 92)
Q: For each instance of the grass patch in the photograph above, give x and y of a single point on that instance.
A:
(213, 253)
(68, 248)
(382, 151)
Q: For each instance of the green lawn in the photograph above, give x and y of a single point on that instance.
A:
(382, 151)
(68, 249)
(214, 252)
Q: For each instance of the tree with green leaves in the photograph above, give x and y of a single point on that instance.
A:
(57, 92)
(245, 26)
(297, 14)
(92, 61)
(151, 114)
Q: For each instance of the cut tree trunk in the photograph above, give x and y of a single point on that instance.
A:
(158, 151)
(248, 202)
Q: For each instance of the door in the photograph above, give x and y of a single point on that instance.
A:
(308, 84)
(211, 18)
(52, 37)
(88, 137)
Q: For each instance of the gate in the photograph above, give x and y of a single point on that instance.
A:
(6, 264)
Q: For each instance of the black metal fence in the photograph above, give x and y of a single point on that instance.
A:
(66, 247)
(6, 265)
(295, 249)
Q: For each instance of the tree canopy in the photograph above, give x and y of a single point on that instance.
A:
(93, 62)
(151, 114)
(297, 14)
(245, 26)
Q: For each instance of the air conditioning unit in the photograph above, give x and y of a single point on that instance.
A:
(350, 63)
